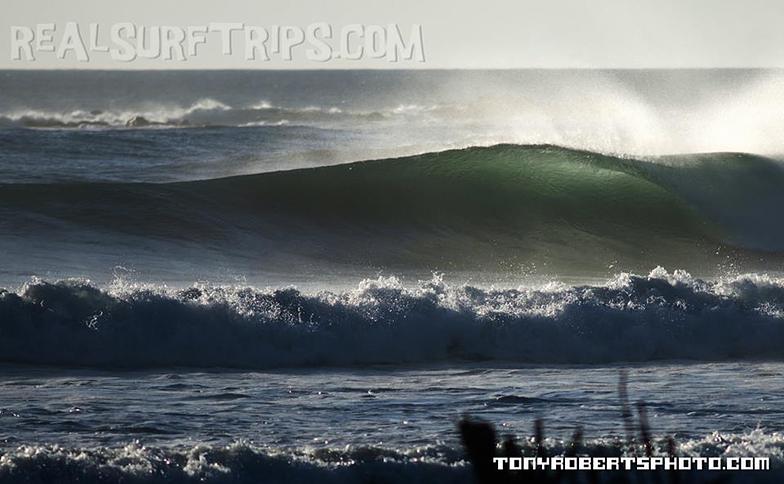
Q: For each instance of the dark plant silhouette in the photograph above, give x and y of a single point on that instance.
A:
(480, 441)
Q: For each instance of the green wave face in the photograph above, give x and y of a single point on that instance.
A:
(507, 189)
(499, 205)
(495, 208)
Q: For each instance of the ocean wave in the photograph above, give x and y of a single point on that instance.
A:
(504, 206)
(78, 118)
(631, 318)
(244, 462)
(205, 112)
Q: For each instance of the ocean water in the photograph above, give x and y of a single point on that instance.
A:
(289, 276)
(347, 424)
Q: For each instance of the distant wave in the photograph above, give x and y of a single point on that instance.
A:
(242, 462)
(631, 318)
(202, 113)
(79, 118)
(493, 206)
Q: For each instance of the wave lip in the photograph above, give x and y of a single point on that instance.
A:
(631, 318)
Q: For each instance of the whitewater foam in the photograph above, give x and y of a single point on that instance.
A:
(631, 318)
(245, 462)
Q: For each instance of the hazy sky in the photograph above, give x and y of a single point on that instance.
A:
(456, 33)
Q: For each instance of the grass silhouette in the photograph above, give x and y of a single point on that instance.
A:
(480, 442)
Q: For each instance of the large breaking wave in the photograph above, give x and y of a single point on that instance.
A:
(631, 318)
(485, 208)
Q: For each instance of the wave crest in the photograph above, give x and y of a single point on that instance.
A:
(632, 318)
